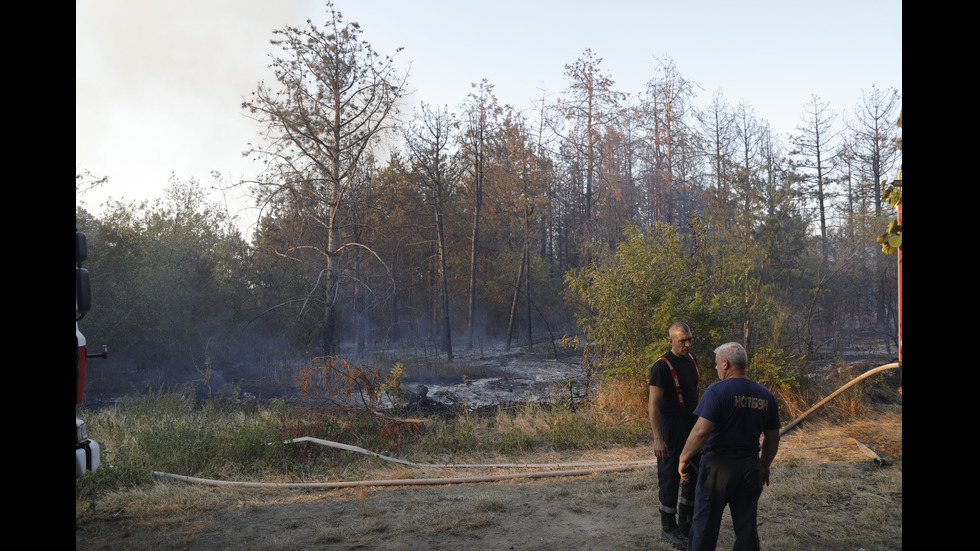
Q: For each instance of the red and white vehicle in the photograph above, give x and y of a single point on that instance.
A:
(87, 451)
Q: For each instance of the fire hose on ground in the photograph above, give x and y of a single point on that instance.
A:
(569, 469)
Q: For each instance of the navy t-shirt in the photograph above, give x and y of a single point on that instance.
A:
(741, 409)
(687, 373)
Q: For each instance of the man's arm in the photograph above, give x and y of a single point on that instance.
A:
(695, 441)
(770, 445)
(653, 410)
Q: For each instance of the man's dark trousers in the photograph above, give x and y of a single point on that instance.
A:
(732, 479)
(675, 429)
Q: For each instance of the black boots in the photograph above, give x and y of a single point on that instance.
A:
(671, 532)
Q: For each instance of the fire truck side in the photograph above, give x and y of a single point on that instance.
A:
(87, 451)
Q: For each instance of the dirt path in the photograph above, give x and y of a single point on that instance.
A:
(825, 493)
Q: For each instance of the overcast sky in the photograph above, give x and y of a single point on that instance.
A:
(159, 83)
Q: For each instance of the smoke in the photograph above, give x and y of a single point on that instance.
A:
(159, 85)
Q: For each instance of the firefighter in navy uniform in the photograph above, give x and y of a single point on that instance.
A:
(673, 397)
(732, 414)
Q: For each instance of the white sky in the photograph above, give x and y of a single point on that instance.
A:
(159, 83)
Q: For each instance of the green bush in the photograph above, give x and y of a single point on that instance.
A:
(773, 368)
(655, 279)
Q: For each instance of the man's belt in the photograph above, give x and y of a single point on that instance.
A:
(735, 453)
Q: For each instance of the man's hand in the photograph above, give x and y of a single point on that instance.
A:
(687, 470)
(660, 449)
(695, 442)
(770, 445)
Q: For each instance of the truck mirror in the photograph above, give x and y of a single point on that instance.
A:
(81, 249)
(83, 292)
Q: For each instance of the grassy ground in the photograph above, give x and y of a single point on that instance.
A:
(826, 492)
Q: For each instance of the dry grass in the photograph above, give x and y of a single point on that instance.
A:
(825, 494)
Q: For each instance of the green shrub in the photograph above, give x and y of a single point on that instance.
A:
(773, 368)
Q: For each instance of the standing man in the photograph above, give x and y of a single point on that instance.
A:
(732, 414)
(673, 398)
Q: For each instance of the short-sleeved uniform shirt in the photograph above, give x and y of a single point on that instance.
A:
(687, 374)
(741, 410)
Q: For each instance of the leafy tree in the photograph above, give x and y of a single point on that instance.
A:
(394, 222)
(480, 118)
(523, 182)
(751, 135)
(629, 303)
(891, 239)
(335, 99)
(591, 104)
(779, 247)
(428, 140)
(171, 279)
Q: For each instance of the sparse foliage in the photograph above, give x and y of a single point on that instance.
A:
(335, 100)
(891, 240)
(386, 236)
(343, 383)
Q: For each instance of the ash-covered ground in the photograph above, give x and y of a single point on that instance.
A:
(490, 376)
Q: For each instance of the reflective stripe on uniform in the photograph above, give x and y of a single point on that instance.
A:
(677, 381)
